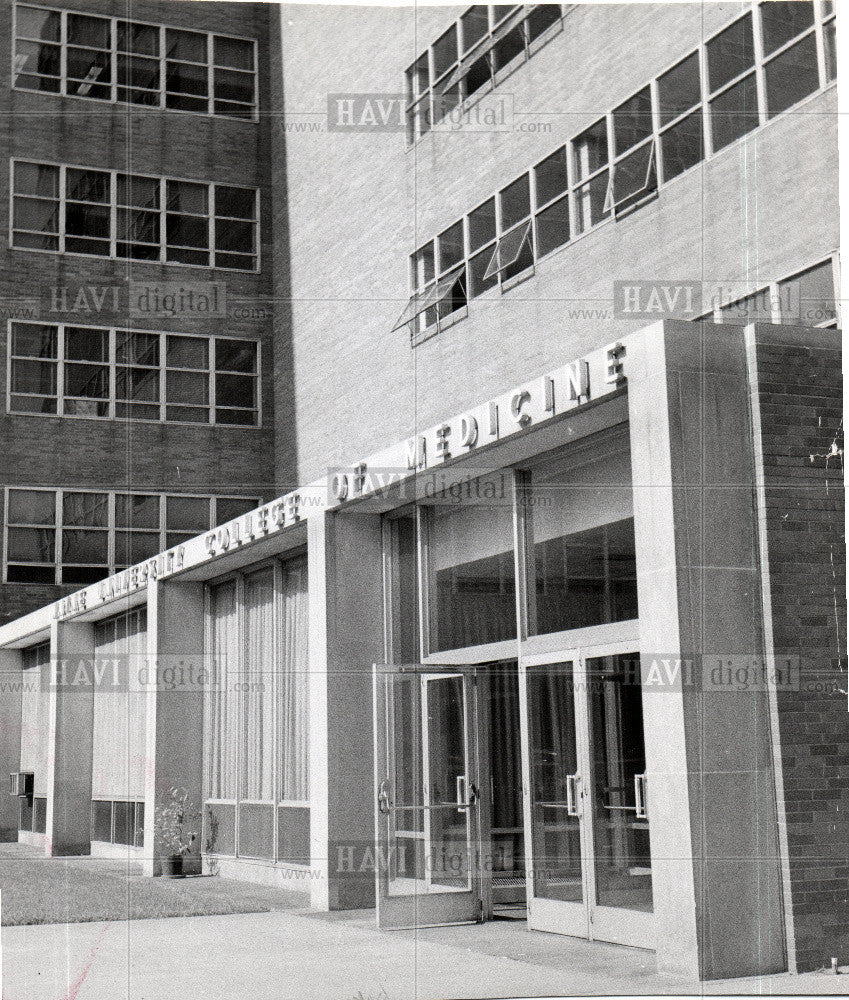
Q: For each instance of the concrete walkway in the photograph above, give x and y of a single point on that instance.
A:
(297, 955)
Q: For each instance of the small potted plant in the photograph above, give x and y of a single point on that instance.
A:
(174, 833)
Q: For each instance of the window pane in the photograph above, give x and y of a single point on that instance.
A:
(810, 296)
(792, 75)
(783, 20)
(89, 73)
(188, 352)
(234, 202)
(136, 510)
(31, 545)
(137, 384)
(89, 510)
(87, 220)
(187, 514)
(515, 202)
(34, 341)
(553, 227)
(233, 52)
(87, 381)
(482, 225)
(734, 112)
(35, 179)
(87, 185)
(85, 546)
(590, 149)
(231, 86)
(187, 230)
(183, 196)
(188, 45)
(683, 145)
(508, 48)
(582, 535)
(474, 25)
(138, 348)
(34, 376)
(235, 236)
(477, 269)
(445, 52)
(635, 174)
(479, 74)
(229, 508)
(551, 177)
(632, 121)
(93, 31)
(235, 355)
(731, 53)
(679, 89)
(139, 192)
(186, 387)
(542, 17)
(450, 247)
(470, 560)
(36, 215)
(235, 390)
(33, 22)
(141, 39)
(134, 546)
(589, 202)
(37, 66)
(32, 507)
(82, 344)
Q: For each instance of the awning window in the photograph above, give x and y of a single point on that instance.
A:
(422, 301)
(507, 249)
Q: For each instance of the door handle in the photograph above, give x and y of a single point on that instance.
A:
(572, 804)
(384, 801)
(640, 796)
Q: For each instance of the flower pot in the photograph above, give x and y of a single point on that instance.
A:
(172, 866)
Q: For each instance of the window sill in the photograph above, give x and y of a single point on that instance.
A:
(518, 279)
(439, 327)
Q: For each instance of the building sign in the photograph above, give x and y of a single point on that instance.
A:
(527, 406)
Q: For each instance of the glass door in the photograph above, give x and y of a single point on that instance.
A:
(427, 808)
(587, 807)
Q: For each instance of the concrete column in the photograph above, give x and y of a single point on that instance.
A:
(11, 673)
(713, 833)
(69, 752)
(346, 639)
(174, 726)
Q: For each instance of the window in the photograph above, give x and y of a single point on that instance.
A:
(109, 59)
(681, 124)
(135, 375)
(634, 172)
(790, 52)
(81, 536)
(810, 296)
(256, 715)
(107, 214)
(618, 161)
(472, 56)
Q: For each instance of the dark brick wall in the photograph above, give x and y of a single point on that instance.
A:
(800, 389)
(49, 451)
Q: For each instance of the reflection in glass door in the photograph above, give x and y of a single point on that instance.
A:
(427, 811)
(589, 866)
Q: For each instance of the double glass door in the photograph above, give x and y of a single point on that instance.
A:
(587, 795)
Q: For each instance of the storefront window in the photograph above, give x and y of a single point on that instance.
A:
(472, 577)
(580, 526)
(257, 770)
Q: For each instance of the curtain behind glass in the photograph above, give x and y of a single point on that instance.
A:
(293, 684)
(222, 697)
(257, 687)
(119, 723)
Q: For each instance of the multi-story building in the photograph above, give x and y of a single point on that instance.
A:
(137, 400)
(554, 621)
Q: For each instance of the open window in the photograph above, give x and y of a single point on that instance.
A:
(634, 173)
(513, 253)
(437, 300)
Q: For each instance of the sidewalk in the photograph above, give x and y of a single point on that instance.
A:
(297, 955)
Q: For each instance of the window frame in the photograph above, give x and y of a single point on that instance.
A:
(115, 367)
(161, 58)
(163, 245)
(59, 527)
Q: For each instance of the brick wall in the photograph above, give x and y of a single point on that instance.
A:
(52, 451)
(801, 408)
